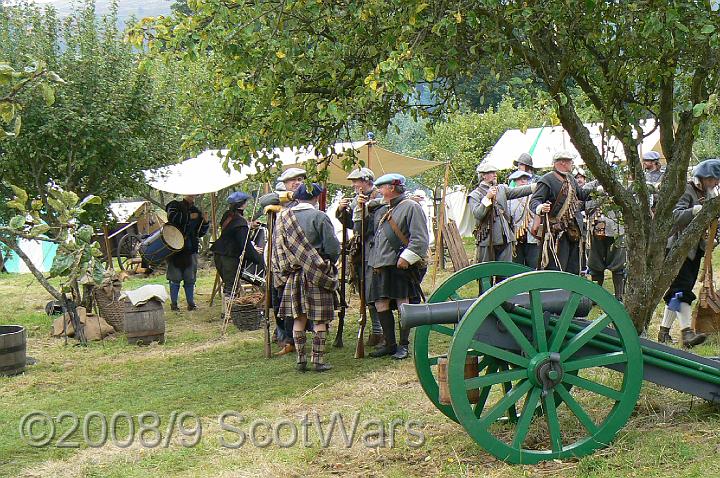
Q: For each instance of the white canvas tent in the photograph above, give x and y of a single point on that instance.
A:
(205, 173)
(40, 253)
(543, 142)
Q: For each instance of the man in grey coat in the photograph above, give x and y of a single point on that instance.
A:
(558, 201)
(397, 257)
(494, 232)
(679, 297)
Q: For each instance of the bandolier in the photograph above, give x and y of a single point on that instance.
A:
(557, 204)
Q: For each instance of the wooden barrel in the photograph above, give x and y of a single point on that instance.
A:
(13, 344)
(145, 323)
(471, 370)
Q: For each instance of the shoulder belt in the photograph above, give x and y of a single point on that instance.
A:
(398, 239)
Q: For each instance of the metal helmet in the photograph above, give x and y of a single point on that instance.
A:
(525, 159)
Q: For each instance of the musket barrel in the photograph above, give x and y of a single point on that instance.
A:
(414, 315)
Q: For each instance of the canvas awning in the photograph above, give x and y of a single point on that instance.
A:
(205, 173)
(543, 143)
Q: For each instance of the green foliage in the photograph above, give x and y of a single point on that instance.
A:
(113, 118)
(78, 258)
(13, 82)
(465, 138)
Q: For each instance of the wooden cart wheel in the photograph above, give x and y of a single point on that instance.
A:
(127, 252)
(549, 354)
(431, 341)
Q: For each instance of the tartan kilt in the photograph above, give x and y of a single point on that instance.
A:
(300, 296)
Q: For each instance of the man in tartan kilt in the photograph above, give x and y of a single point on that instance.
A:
(305, 250)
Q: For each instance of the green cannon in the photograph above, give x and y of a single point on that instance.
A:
(556, 363)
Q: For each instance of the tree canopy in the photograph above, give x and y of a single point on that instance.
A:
(110, 120)
(292, 72)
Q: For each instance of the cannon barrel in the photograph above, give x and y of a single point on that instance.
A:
(415, 315)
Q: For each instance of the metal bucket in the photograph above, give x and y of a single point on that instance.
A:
(162, 244)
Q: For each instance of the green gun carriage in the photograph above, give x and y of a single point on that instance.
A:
(546, 383)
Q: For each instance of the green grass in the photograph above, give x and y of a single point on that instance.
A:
(670, 434)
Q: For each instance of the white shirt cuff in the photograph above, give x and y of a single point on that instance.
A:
(696, 209)
(538, 210)
(410, 256)
(486, 201)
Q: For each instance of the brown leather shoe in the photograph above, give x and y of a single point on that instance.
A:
(287, 349)
(374, 339)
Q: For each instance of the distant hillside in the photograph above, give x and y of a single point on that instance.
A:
(126, 8)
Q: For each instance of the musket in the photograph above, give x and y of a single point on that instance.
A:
(360, 346)
(343, 302)
(268, 282)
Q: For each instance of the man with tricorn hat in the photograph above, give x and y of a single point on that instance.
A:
(349, 213)
(305, 250)
(396, 254)
(494, 231)
(557, 203)
(679, 297)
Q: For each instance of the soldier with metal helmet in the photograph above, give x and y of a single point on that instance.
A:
(557, 202)
(679, 297)
(494, 232)
(524, 163)
(348, 213)
(654, 174)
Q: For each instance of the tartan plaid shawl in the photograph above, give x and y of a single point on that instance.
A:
(308, 281)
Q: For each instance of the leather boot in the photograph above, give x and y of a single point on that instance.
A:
(619, 285)
(287, 349)
(664, 335)
(388, 324)
(690, 338)
(374, 339)
(402, 349)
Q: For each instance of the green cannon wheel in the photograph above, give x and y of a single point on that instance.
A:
(549, 357)
(429, 338)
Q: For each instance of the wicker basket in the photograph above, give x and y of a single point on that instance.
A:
(246, 316)
(111, 309)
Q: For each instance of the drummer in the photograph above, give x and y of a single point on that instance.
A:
(182, 266)
(228, 249)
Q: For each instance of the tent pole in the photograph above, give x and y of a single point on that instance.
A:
(108, 252)
(439, 248)
(213, 225)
